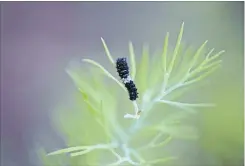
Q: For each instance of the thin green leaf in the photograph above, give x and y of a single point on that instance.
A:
(187, 57)
(202, 66)
(108, 54)
(91, 148)
(186, 104)
(142, 71)
(67, 150)
(208, 59)
(132, 60)
(106, 72)
(180, 66)
(202, 76)
(209, 54)
(197, 54)
(79, 153)
(164, 54)
(179, 105)
(176, 50)
(215, 56)
(85, 96)
(91, 108)
(205, 61)
(153, 79)
(212, 65)
(165, 142)
(183, 65)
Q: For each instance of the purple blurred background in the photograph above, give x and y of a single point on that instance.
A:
(38, 40)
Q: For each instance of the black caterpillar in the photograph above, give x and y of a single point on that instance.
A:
(123, 72)
(122, 68)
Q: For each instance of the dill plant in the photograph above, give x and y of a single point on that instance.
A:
(104, 129)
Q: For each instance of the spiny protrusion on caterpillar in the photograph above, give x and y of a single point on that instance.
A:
(123, 72)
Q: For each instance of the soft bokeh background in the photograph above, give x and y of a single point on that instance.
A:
(39, 39)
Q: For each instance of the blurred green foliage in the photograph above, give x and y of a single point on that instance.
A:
(94, 129)
(223, 126)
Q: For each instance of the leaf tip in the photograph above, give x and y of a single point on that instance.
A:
(50, 154)
(182, 25)
(130, 44)
(83, 60)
